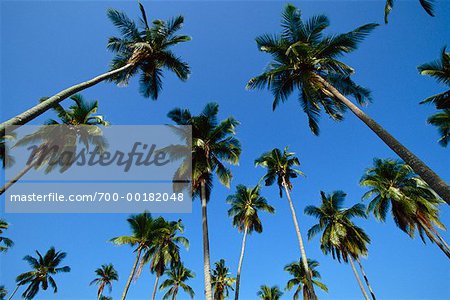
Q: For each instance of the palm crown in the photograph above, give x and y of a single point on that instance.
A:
(221, 280)
(177, 277)
(43, 269)
(269, 293)
(299, 280)
(340, 237)
(148, 49)
(245, 205)
(302, 55)
(106, 274)
(5, 243)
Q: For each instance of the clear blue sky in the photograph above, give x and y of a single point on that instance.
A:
(46, 46)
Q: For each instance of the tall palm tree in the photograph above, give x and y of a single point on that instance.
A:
(442, 121)
(269, 293)
(306, 61)
(213, 145)
(177, 277)
(426, 4)
(106, 275)
(164, 250)
(142, 235)
(281, 167)
(221, 280)
(413, 205)
(245, 205)
(80, 116)
(297, 271)
(5, 243)
(340, 236)
(145, 50)
(41, 275)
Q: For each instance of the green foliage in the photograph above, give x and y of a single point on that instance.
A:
(269, 293)
(41, 275)
(426, 4)
(106, 275)
(221, 280)
(148, 49)
(177, 277)
(3, 292)
(297, 271)
(442, 121)
(300, 55)
(5, 243)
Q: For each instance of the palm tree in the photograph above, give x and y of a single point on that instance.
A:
(442, 121)
(413, 205)
(5, 157)
(80, 116)
(305, 60)
(221, 280)
(281, 167)
(340, 236)
(213, 144)
(245, 205)
(164, 250)
(3, 292)
(426, 4)
(5, 243)
(142, 234)
(269, 293)
(297, 271)
(106, 274)
(177, 277)
(41, 275)
(145, 50)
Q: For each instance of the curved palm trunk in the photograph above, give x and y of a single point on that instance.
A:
(357, 278)
(16, 178)
(133, 270)
(206, 257)
(428, 175)
(300, 241)
(366, 279)
(42, 107)
(14, 292)
(241, 259)
(155, 287)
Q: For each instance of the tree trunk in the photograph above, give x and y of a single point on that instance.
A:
(175, 292)
(155, 287)
(241, 259)
(366, 279)
(357, 278)
(300, 241)
(428, 175)
(14, 292)
(16, 178)
(42, 107)
(127, 285)
(206, 257)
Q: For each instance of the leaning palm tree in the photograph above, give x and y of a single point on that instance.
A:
(106, 275)
(177, 277)
(297, 271)
(79, 124)
(145, 50)
(426, 4)
(442, 121)
(221, 280)
(213, 145)
(142, 235)
(269, 293)
(164, 250)
(281, 167)
(246, 203)
(340, 236)
(5, 243)
(306, 61)
(413, 205)
(41, 275)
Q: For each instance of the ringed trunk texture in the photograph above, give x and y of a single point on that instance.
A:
(366, 279)
(300, 241)
(428, 175)
(14, 292)
(206, 256)
(241, 259)
(155, 287)
(127, 285)
(16, 178)
(42, 107)
(357, 278)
